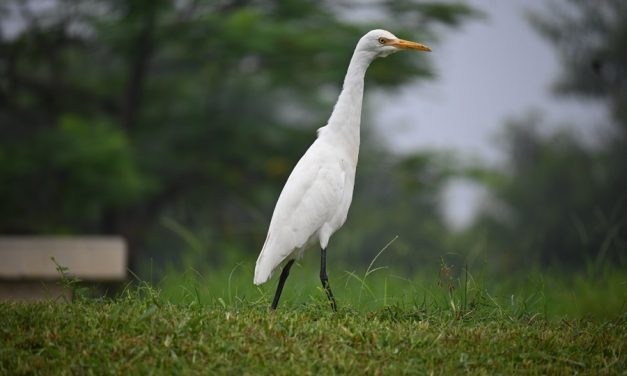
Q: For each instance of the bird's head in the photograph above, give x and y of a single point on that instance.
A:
(382, 43)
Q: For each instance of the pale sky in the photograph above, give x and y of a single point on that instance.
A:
(489, 71)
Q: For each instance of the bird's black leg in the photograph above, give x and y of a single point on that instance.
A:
(279, 288)
(325, 279)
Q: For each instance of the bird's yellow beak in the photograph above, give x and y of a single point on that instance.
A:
(408, 45)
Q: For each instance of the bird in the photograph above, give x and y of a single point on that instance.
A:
(315, 200)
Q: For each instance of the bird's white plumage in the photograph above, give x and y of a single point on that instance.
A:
(309, 208)
(315, 200)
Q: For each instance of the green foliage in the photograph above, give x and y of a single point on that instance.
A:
(76, 168)
(116, 115)
(555, 203)
(396, 197)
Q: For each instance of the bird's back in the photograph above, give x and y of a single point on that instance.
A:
(313, 204)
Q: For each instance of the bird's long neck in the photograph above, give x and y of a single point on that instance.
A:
(346, 117)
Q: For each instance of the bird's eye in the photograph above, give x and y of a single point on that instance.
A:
(382, 40)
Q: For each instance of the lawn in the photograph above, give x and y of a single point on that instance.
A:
(385, 325)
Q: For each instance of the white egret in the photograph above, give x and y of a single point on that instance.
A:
(315, 200)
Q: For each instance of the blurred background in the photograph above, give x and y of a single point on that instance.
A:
(176, 123)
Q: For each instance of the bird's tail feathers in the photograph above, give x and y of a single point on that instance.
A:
(263, 268)
(271, 256)
(262, 272)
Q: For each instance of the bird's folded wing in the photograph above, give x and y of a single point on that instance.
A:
(310, 198)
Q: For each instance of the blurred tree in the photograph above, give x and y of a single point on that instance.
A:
(397, 197)
(590, 39)
(116, 114)
(561, 202)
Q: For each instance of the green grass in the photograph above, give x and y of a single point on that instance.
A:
(594, 294)
(145, 334)
(217, 323)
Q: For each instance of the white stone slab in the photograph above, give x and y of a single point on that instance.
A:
(91, 258)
